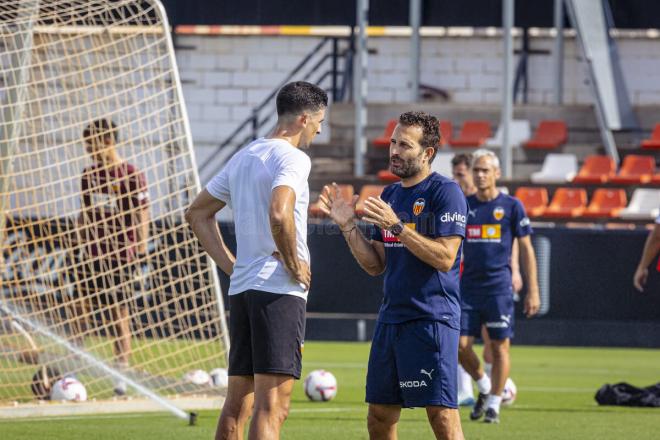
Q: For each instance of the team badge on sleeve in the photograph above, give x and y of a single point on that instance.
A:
(418, 207)
(498, 213)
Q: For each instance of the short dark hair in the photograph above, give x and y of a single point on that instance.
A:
(300, 96)
(430, 129)
(102, 127)
(463, 158)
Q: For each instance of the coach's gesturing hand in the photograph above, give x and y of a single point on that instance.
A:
(341, 211)
(379, 213)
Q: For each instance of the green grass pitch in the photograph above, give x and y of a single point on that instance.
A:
(555, 401)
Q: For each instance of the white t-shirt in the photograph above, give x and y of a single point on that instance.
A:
(246, 184)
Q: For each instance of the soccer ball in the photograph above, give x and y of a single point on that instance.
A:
(197, 377)
(219, 377)
(68, 388)
(320, 386)
(509, 393)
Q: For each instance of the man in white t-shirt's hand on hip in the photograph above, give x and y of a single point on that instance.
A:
(266, 186)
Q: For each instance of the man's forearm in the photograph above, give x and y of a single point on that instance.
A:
(528, 260)
(651, 247)
(143, 230)
(283, 230)
(431, 252)
(208, 234)
(362, 249)
(515, 256)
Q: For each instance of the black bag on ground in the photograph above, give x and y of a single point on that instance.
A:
(624, 394)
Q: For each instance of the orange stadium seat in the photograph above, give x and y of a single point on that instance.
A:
(535, 200)
(652, 143)
(387, 176)
(567, 202)
(549, 135)
(596, 169)
(656, 179)
(635, 169)
(606, 202)
(473, 134)
(384, 139)
(346, 192)
(446, 132)
(366, 192)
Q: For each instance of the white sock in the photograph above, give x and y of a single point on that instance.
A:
(464, 384)
(494, 402)
(488, 369)
(483, 384)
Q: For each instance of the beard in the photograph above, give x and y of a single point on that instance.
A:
(405, 168)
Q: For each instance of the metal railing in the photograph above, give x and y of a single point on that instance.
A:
(328, 65)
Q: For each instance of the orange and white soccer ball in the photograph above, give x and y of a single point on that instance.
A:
(70, 389)
(509, 393)
(320, 386)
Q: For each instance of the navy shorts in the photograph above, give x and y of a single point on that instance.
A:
(413, 364)
(493, 311)
(266, 332)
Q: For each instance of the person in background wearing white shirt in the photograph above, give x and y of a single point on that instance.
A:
(266, 186)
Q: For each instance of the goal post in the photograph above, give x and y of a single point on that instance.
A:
(78, 264)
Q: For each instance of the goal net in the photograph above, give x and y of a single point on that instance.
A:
(101, 277)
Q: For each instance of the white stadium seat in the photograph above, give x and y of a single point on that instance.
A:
(644, 205)
(557, 168)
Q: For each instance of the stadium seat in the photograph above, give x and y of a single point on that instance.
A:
(644, 205)
(346, 192)
(635, 169)
(387, 176)
(442, 163)
(652, 143)
(549, 135)
(520, 131)
(535, 200)
(656, 179)
(567, 202)
(557, 168)
(384, 139)
(606, 202)
(473, 134)
(596, 169)
(366, 192)
(446, 132)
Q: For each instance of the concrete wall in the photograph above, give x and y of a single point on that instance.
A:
(227, 75)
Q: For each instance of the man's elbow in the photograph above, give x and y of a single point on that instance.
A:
(191, 215)
(277, 218)
(374, 270)
(444, 265)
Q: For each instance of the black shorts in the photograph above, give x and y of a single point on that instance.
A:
(266, 333)
(103, 282)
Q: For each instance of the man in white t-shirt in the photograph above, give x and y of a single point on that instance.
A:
(265, 184)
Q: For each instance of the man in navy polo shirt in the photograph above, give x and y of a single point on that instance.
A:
(494, 221)
(419, 227)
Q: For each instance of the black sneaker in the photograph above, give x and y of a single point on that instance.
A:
(478, 409)
(491, 416)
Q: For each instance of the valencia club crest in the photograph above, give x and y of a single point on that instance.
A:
(418, 207)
